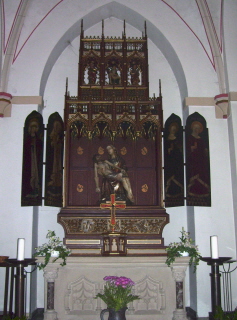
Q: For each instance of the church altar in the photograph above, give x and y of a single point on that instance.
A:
(113, 212)
(70, 290)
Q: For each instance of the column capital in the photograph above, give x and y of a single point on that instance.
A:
(222, 105)
(178, 273)
(7, 100)
(220, 102)
(50, 274)
(5, 104)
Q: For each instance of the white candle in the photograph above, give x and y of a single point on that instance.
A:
(214, 247)
(21, 249)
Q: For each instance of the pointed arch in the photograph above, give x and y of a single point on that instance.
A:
(121, 12)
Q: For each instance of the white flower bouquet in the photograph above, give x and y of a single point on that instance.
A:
(54, 244)
(186, 244)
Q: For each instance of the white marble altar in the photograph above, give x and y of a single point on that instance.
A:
(70, 290)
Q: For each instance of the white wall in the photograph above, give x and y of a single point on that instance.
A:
(15, 221)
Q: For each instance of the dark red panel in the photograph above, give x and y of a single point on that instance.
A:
(80, 187)
(145, 153)
(80, 153)
(145, 182)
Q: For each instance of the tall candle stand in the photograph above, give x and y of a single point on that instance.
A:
(20, 284)
(215, 281)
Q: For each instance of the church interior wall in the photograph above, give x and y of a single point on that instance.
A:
(230, 47)
(201, 80)
(218, 219)
(232, 130)
(16, 221)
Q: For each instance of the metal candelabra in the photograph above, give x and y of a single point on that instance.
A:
(20, 284)
(215, 281)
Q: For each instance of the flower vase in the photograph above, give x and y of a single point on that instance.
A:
(114, 315)
(55, 254)
(184, 254)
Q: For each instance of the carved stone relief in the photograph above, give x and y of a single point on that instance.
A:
(81, 225)
(80, 297)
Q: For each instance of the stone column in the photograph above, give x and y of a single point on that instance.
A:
(50, 275)
(178, 273)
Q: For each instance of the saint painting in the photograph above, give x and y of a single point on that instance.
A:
(198, 164)
(54, 161)
(32, 160)
(173, 162)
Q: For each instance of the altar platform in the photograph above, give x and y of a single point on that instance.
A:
(70, 290)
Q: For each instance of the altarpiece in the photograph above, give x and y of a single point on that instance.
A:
(113, 154)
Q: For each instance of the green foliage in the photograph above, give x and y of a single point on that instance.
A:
(221, 315)
(186, 244)
(54, 244)
(117, 292)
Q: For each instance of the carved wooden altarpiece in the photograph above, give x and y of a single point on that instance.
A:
(113, 117)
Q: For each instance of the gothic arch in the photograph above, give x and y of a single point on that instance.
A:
(121, 12)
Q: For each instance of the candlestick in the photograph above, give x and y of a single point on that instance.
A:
(21, 249)
(214, 247)
(215, 281)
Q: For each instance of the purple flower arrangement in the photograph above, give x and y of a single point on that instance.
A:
(120, 281)
(117, 292)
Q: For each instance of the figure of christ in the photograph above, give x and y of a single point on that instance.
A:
(105, 169)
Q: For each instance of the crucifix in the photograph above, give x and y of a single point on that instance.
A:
(112, 205)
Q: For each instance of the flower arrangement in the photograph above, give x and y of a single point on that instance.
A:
(117, 292)
(186, 244)
(54, 244)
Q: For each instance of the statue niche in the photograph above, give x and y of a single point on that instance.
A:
(114, 72)
(135, 72)
(91, 71)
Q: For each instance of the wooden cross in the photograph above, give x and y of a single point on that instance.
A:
(112, 205)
